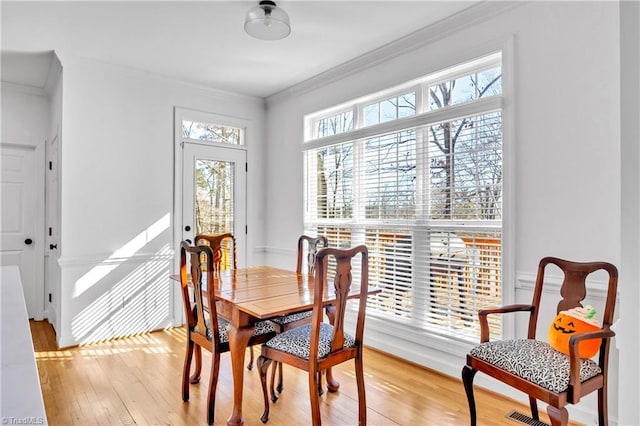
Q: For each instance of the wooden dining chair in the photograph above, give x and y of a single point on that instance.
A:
(318, 346)
(225, 257)
(224, 249)
(534, 366)
(205, 329)
(307, 251)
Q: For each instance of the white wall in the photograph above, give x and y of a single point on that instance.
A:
(117, 187)
(566, 107)
(628, 330)
(25, 115)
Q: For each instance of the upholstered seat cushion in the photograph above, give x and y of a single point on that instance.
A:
(262, 327)
(534, 361)
(297, 341)
(287, 319)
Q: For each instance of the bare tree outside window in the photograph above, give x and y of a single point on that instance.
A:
(425, 198)
(214, 179)
(466, 154)
(334, 173)
(335, 176)
(214, 207)
(211, 132)
(465, 157)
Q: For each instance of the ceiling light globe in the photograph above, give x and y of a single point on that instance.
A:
(267, 22)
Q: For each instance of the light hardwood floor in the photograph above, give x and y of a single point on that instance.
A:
(136, 380)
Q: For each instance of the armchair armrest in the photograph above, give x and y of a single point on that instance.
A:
(574, 358)
(484, 324)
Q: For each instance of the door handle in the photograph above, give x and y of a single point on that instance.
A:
(28, 241)
(53, 246)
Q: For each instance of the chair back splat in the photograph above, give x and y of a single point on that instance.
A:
(224, 249)
(313, 244)
(559, 377)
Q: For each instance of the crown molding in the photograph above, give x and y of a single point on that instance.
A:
(425, 36)
(66, 59)
(24, 89)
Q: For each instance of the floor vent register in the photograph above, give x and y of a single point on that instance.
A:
(524, 419)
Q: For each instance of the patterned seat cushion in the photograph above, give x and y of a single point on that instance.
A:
(262, 327)
(534, 361)
(287, 319)
(296, 341)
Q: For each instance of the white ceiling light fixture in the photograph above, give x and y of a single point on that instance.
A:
(267, 21)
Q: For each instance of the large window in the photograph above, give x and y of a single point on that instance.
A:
(415, 173)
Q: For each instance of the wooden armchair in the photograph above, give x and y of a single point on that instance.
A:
(318, 346)
(204, 328)
(533, 366)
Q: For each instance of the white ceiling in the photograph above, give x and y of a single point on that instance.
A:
(203, 42)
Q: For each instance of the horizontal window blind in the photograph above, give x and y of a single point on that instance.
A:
(425, 197)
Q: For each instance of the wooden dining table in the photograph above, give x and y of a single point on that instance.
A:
(248, 295)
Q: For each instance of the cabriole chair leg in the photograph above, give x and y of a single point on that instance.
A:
(185, 371)
(467, 378)
(195, 377)
(263, 367)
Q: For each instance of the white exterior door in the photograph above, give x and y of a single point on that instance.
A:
(19, 244)
(214, 193)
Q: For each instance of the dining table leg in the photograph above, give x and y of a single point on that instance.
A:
(238, 340)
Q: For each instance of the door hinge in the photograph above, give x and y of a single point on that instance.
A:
(49, 297)
(246, 229)
(246, 167)
(50, 165)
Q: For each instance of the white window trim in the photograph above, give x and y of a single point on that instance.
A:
(378, 330)
(419, 120)
(181, 114)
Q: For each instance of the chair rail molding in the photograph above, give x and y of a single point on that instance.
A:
(109, 259)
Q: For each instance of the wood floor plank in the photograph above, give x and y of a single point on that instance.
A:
(137, 380)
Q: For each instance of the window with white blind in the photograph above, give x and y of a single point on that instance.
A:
(415, 173)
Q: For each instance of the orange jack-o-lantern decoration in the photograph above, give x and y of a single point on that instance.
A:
(573, 321)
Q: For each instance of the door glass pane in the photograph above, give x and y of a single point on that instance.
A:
(214, 196)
